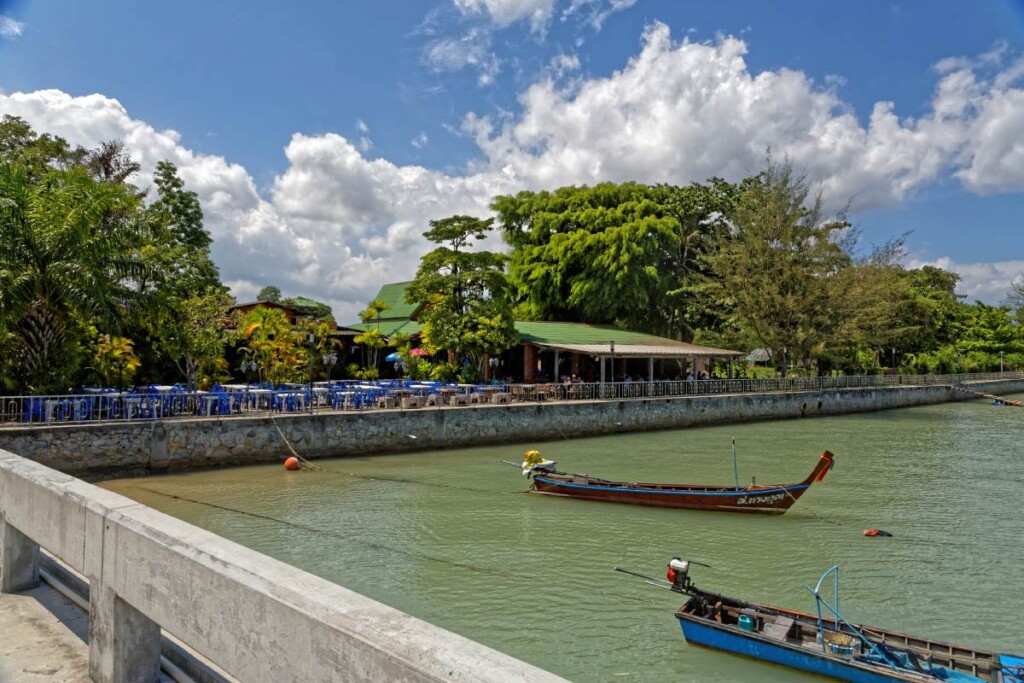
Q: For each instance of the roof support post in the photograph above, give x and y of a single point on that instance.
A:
(556, 374)
(650, 369)
(601, 359)
(529, 363)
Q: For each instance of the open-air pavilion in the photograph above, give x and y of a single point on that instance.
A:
(551, 350)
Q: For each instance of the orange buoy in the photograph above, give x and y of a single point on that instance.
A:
(291, 463)
(876, 532)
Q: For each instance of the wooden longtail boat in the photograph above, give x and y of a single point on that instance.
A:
(775, 498)
(825, 643)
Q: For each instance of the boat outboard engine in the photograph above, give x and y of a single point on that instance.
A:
(678, 574)
(533, 461)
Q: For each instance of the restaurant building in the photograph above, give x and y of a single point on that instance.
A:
(552, 351)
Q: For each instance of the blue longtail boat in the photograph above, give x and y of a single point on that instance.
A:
(825, 643)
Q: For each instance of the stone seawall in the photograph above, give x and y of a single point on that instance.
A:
(116, 450)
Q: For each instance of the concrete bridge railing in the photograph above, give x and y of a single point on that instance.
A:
(255, 617)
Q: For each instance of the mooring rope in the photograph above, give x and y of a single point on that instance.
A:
(302, 461)
(333, 534)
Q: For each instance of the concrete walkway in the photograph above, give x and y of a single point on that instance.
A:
(42, 638)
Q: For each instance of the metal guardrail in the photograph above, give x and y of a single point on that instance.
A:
(20, 411)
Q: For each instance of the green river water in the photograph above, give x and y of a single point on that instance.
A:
(449, 536)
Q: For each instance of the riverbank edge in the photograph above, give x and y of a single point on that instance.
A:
(117, 450)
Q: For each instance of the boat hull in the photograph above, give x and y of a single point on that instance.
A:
(855, 652)
(764, 499)
(722, 638)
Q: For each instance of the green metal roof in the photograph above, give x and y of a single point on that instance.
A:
(577, 337)
(555, 333)
(389, 327)
(597, 339)
(394, 295)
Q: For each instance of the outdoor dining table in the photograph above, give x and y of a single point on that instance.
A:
(298, 400)
(545, 391)
(258, 398)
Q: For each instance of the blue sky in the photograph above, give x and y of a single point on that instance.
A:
(322, 135)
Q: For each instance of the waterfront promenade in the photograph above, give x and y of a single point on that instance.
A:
(112, 449)
(149, 404)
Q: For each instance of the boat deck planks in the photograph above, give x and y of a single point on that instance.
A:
(780, 629)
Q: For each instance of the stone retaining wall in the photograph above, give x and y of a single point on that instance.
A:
(116, 450)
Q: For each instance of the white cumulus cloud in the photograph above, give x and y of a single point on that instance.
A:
(335, 224)
(988, 282)
(680, 111)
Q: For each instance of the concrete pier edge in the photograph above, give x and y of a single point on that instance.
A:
(257, 618)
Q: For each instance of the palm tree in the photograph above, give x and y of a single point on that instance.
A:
(372, 339)
(115, 360)
(69, 253)
(267, 334)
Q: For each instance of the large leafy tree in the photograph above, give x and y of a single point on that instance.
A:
(933, 310)
(81, 251)
(269, 293)
(182, 275)
(182, 244)
(37, 154)
(467, 311)
(613, 253)
(988, 330)
(69, 257)
(199, 335)
(777, 270)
